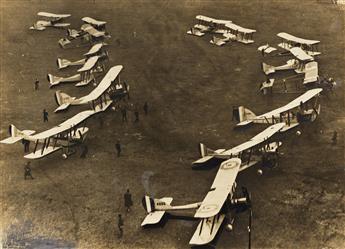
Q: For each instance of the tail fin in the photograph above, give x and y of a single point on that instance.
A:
(148, 204)
(268, 69)
(63, 100)
(16, 135)
(202, 150)
(155, 209)
(245, 115)
(62, 63)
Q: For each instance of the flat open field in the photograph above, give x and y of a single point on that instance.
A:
(191, 87)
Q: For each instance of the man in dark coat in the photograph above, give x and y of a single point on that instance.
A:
(128, 200)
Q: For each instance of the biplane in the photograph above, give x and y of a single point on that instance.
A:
(237, 33)
(250, 152)
(53, 20)
(304, 108)
(88, 34)
(63, 136)
(303, 63)
(96, 50)
(219, 205)
(289, 41)
(99, 25)
(208, 24)
(83, 77)
(106, 91)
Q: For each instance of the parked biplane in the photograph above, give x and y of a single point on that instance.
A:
(303, 63)
(92, 31)
(63, 136)
(96, 50)
(84, 76)
(219, 204)
(53, 20)
(239, 34)
(250, 152)
(304, 108)
(208, 24)
(106, 91)
(290, 41)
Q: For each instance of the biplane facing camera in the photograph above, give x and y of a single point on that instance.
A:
(65, 135)
(219, 204)
(304, 108)
(250, 152)
(96, 50)
(53, 20)
(106, 91)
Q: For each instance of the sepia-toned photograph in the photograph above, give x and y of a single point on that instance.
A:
(172, 124)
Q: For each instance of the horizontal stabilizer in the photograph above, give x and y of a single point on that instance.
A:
(62, 107)
(38, 153)
(207, 230)
(11, 140)
(153, 218)
(246, 122)
(201, 161)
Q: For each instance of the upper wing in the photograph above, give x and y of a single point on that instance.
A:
(259, 138)
(89, 64)
(220, 189)
(94, 49)
(104, 84)
(65, 126)
(52, 15)
(93, 21)
(289, 37)
(293, 104)
(300, 54)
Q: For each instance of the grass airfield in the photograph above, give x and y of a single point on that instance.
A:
(191, 87)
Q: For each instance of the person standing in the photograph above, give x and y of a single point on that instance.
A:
(146, 108)
(128, 200)
(45, 116)
(27, 171)
(36, 84)
(124, 114)
(84, 151)
(120, 225)
(118, 148)
(334, 138)
(136, 114)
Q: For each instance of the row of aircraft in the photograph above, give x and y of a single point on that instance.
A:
(72, 131)
(222, 202)
(110, 90)
(229, 30)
